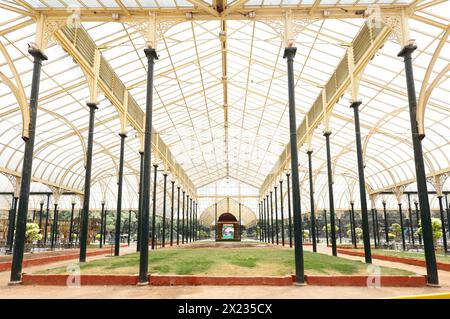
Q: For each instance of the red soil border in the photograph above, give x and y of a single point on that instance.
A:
(408, 261)
(167, 280)
(4, 266)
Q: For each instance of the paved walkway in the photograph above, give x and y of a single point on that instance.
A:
(217, 291)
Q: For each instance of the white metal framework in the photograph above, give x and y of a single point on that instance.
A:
(220, 97)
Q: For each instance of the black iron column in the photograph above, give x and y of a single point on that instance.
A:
(427, 232)
(331, 195)
(215, 221)
(172, 199)
(143, 257)
(374, 226)
(444, 235)
(269, 228)
(263, 208)
(53, 234)
(282, 212)
(84, 222)
(411, 231)
(40, 215)
(12, 223)
(102, 221)
(289, 209)
(119, 196)
(340, 231)
(71, 222)
(47, 211)
(362, 188)
(178, 215)
(289, 53)
(386, 227)
(276, 215)
(104, 227)
(326, 225)
(351, 227)
(129, 227)
(139, 218)
(155, 176)
(19, 241)
(311, 201)
(34, 215)
(164, 211)
(401, 225)
(352, 204)
(186, 224)
(416, 204)
(182, 220)
(271, 218)
(240, 222)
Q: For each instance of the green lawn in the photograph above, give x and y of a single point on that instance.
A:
(407, 254)
(227, 261)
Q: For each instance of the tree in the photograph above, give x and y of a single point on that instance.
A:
(358, 233)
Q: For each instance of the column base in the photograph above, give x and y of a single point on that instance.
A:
(14, 283)
(141, 284)
(433, 285)
(300, 284)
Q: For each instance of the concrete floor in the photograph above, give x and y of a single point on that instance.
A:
(229, 292)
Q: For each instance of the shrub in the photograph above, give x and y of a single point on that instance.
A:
(395, 229)
(328, 229)
(32, 233)
(305, 233)
(436, 226)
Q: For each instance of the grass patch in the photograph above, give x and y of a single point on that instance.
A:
(258, 261)
(409, 254)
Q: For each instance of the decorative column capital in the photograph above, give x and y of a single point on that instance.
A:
(407, 50)
(289, 53)
(92, 105)
(123, 135)
(354, 104)
(327, 133)
(37, 53)
(309, 152)
(151, 54)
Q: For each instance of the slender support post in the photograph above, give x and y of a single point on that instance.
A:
(87, 185)
(289, 53)
(402, 226)
(240, 222)
(12, 223)
(47, 212)
(326, 225)
(119, 196)
(19, 241)
(155, 178)
(352, 204)
(268, 220)
(172, 198)
(178, 216)
(143, 256)
(186, 223)
(411, 230)
(182, 218)
(416, 204)
(34, 215)
(331, 195)
(139, 217)
(54, 225)
(263, 209)
(271, 218)
(340, 231)
(215, 221)
(129, 227)
(351, 227)
(386, 227)
(104, 227)
(317, 230)
(289, 209)
(40, 215)
(164, 211)
(102, 221)
(276, 216)
(378, 226)
(444, 235)
(427, 232)
(71, 222)
(311, 201)
(190, 224)
(259, 222)
(282, 212)
(374, 226)
(447, 209)
(362, 188)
